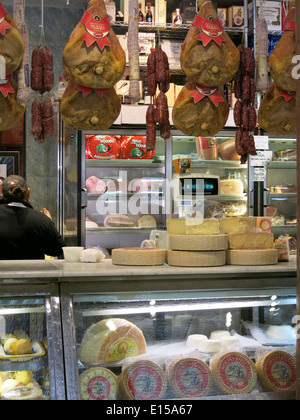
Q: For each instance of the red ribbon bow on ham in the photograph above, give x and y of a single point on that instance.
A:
(288, 95)
(289, 25)
(97, 29)
(86, 91)
(3, 24)
(6, 88)
(211, 30)
(201, 91)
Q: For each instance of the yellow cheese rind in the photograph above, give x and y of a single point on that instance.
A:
(139, 256)
(218, 242)
(193, 226)
(189, 377)
(110, 340)
(262, 240)
(234, 225)
(277, 371)
(234, 372)
(197, 259)
(98, 383)
(252, 257)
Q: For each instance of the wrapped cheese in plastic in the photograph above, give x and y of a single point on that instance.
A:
(91, 256)
(282, 245)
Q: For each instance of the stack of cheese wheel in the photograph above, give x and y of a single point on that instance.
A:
(250, 241)
(277, 371)
(143, 379)
(139, 256)
(196, 243)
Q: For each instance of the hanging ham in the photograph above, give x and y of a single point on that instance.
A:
(200, 111)
(280, 59)
(11, 42)
(87, 109)
(11, 111)
(208, 55)
(93, 56)
(277, 112)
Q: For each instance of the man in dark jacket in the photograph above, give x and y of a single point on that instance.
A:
(25, 233)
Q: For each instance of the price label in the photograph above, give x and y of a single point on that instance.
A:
(261, 142)
(262, 158)
(260, 174)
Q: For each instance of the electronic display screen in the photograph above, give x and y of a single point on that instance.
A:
(199, 186)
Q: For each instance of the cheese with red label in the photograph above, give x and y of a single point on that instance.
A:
(189, 377)
(111, 339)
(234, 372)
(259, 224)
(143, 380)
(277, 371)
(98, 384)
(262, 240)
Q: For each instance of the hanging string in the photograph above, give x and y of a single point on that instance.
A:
(42, 39)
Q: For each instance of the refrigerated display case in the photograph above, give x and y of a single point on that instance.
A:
(150, 317)
(31, 357)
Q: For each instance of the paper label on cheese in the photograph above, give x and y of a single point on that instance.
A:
(124, 347)
(235, 372)
(280, 371)
(98, 384)
(145, 382)
(192, 377)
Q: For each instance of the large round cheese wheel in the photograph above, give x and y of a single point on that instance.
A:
(197, 259)
(234, 372)
(189, 377)
(252, 256)
(198, 242)
(143, 380)
(111, 339)
(139, 256)
(98, 384)
(277, 371)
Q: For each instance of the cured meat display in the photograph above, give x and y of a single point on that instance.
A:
(200, 111)
(244, 111)
(208, 55)
(277, 112)
(11, 42)
(280, 59)
(11, 111)
(93, 56)
(88, 109)
(158, 76)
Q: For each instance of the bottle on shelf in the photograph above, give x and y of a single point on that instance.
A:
(141, 15)
(178, 18)
(149, 17)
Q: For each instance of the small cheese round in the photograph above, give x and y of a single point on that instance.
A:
(139, 256)
(98, 384)
(277, 371)
(234, 372)
(252, 257)
(143, 380)
(194, 340)
(280, 332)
(231, 342)
(216, 242)
(218, 335)
(189, 377)
(210, 346)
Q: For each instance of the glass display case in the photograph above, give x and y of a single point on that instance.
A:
(203, 344)
(31, 358)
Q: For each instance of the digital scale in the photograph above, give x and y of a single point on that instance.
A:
(189, 192)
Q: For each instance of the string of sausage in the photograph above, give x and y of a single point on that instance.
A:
(42, 81)
(158, 75)
(244, 111)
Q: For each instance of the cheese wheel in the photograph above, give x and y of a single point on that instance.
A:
(234, 372)
(277, 371)
(193, 226)
(259, 240)
(111, 339)
(198, 242)
(189, 377)
(210, 346)
(194, 340)
(218, 335)
(252, 256)
(139, 256)
(146, 221)
(98, 384)
(233, 225)
(143, 380)
(197, 259)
